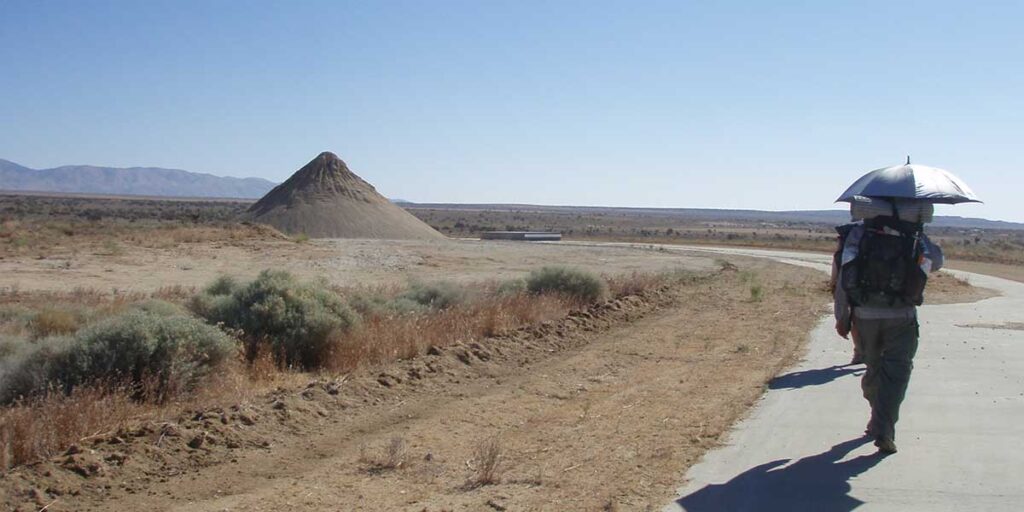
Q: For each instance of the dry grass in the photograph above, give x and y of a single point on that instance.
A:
(43, 427)
(392, 456)
(174, 293)
(383, 338)
(47, 425)
(53, 235)
(50, 321)
(85, 297)
(486, 463)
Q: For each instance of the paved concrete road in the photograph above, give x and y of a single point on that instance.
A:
(960, 435)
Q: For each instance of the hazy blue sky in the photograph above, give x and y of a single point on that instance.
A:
(774, 105)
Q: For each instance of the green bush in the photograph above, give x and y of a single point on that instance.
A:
(33, 367)
(223, 285)
(300, 323)
(511, 287)
(405, 306)
(756, 293)
(373, 304)
(16, 314)
(167, 354)
(579, 284)
(440, 295)
(160, 308)
(8, 346)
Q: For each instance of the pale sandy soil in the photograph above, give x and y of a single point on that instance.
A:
(1011, 272)
(340, 262)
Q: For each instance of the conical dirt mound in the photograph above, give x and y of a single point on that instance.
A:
(325, 199)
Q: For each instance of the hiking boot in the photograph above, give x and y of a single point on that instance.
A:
(885, 445)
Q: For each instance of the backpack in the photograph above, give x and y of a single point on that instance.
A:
(886, 272)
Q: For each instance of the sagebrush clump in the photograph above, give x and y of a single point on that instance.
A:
(301, 324)
(160, 355)
(510, 287)
(578, 284)
(439, 295)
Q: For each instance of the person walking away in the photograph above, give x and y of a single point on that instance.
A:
(882, 271)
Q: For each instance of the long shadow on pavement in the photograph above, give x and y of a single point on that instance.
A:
(816, 377)
(815, 483)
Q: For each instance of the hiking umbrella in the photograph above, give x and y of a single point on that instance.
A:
(912, 181)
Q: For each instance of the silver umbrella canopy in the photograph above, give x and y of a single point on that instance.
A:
(912, 181)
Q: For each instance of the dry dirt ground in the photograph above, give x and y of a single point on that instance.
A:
(1011, 272)
(601, 411)
(341, 262)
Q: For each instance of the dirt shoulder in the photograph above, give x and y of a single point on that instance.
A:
(944, 288)
(1011, 272)
(605, 409)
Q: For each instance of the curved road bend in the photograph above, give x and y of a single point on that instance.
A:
(959, 436)
(962, 423)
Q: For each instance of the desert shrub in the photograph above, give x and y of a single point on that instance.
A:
(377, 304)
(216, 309)
(166, 354)
(15, 321)
(33, 367)
(223, 285)
(53, 321)
(301, 322)
(486, 463)
(575, 283)
(511, 287)
(160, 308)
(16, 314)
(406, 306)
(366, 304)
(756, 293)
(392, 456)
(9, 345)
(176, 350)
(439, 295)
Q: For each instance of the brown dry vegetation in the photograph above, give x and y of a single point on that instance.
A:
(41, 426)
(382, 339)
(592, 409)
(38, 225)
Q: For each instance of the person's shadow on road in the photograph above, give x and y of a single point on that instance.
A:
(816, 483)
(816, 377)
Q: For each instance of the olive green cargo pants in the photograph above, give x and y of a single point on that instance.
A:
(889, 346)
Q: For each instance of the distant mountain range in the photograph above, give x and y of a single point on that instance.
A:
(134, 181)
(155, 181)
(834, 217)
